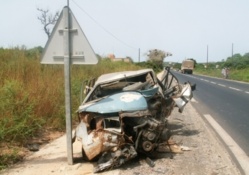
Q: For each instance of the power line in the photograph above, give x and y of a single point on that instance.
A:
(101, 26)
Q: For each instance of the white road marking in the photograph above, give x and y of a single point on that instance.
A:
(222, 85)
(239, 154)
(235, 89)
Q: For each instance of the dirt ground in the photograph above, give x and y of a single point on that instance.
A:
(206, 154)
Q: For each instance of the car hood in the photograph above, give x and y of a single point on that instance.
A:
(124, 101)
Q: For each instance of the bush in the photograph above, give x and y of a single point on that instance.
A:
(18, 121)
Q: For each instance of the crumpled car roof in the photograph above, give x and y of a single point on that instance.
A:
(105, 78)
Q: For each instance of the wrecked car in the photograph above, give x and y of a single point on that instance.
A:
(125, 114)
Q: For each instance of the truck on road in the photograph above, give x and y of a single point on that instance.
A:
(187, 66)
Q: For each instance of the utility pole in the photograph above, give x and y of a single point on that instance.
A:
(232, 50)
(139, 55)
(207, 55)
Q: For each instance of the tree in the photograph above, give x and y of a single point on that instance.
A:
(236, 56)
(236, 61)
(48, 20)
(156, 55)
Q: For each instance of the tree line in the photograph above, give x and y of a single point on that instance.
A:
(237, 61)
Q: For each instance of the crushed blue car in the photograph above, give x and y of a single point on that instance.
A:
(124, 114)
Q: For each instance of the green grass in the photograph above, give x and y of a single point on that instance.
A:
(32, 96)
(241, 75)
(10, 155)
(234, 74)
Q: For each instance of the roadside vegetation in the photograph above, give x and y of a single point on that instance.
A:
(238, 68)
(32, 97)
(233, 73)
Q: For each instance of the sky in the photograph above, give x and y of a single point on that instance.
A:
(203, 30)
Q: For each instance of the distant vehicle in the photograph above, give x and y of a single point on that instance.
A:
(187, 66)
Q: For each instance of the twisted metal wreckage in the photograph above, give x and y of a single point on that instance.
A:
(125, 114)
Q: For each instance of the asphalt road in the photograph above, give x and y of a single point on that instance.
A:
(227, 101)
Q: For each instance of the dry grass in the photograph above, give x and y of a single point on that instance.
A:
(32, 96)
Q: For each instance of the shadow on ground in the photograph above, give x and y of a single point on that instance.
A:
(178, 128)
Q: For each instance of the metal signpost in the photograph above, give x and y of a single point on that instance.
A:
(68, 45)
